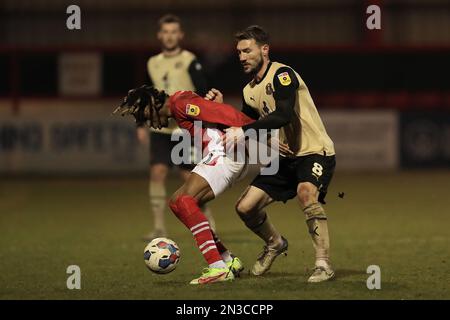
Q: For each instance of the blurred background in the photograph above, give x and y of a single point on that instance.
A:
(384, 94)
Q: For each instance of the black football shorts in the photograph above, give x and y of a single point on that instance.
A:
(161, 148)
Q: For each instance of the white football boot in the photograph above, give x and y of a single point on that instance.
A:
(321, 274)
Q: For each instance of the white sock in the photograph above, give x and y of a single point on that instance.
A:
(226, 256)
(157, 194)
(218, 264)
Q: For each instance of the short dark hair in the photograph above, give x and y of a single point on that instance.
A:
(253, 32)
(169, 18)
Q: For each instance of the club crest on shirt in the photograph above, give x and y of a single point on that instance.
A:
(284, 78)
(192, 110)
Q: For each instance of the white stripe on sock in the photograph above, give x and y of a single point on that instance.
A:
(209, 248)
(199, 225)
(200, 230)
(205, 243)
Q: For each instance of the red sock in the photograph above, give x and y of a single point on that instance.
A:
(187, 210)
(220, 247)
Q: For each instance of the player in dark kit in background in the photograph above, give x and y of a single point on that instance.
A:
(280, 99)
(171, 70)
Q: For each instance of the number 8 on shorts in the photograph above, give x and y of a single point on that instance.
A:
(317, 169)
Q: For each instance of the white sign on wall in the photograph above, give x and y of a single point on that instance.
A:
(69, 137)
(364, 139)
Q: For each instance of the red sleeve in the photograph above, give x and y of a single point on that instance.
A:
(198, 108)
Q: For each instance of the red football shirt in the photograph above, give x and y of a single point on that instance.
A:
(187, 107)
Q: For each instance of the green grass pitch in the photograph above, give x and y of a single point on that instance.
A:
(398, 221)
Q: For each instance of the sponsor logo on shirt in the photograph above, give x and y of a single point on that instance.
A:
(192, 110)
(284, 78)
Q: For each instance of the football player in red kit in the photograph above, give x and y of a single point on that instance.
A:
(211, 176)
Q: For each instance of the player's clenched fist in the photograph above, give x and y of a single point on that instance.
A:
(214, 95)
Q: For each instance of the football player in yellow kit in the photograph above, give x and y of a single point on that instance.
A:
(278, 98)
(171, 70)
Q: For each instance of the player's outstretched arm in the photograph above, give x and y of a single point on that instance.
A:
(278, 118)
(248, 111)
(286, 85)
(219, 113)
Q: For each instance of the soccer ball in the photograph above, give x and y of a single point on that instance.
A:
(161, 255)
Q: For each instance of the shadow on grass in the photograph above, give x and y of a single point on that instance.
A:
(276, 274)
(339, 273)
(273, 275)
(173, 283)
